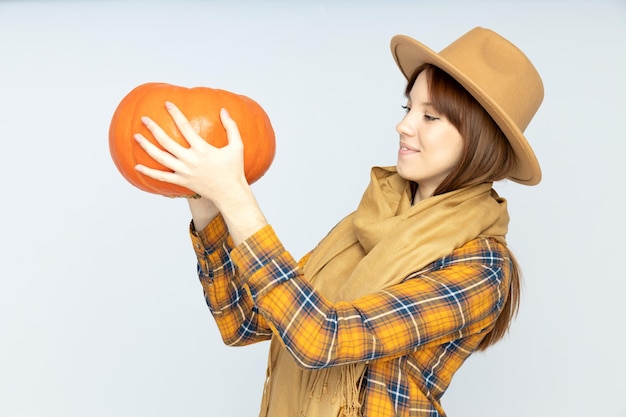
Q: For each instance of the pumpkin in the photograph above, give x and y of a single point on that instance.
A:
(201, 106)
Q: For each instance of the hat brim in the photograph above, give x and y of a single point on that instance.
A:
(409, 54)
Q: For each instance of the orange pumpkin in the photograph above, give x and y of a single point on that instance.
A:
(201, 105)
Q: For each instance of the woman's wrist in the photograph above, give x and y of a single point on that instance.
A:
(202, 212)
(241, 213)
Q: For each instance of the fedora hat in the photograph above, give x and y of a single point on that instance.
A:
(497, 74)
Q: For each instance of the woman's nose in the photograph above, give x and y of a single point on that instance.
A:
(404, 126)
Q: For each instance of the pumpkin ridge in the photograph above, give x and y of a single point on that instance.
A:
(163, 91)
(146, 182)
(126, 154)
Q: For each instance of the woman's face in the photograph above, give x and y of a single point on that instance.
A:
(430, 146)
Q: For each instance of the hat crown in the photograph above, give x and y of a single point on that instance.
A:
(500, 70)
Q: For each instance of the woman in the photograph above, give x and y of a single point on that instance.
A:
(376, 320)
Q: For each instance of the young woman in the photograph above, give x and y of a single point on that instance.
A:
(376, 320)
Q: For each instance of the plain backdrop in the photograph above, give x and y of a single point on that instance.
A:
(101, 312)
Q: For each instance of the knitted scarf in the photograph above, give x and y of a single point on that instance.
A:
(385, 240)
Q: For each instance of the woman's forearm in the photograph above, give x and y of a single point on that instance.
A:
(239, 209)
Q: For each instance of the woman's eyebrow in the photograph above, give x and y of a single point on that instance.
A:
(423, 103)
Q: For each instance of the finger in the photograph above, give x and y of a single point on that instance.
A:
(164, 158)
(232, 131)
(164, 176)
(183, 124)
(162, 137)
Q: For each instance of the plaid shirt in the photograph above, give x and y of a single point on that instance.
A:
(414, 335)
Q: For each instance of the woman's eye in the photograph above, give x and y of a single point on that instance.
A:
(406, 108)
(430, 118)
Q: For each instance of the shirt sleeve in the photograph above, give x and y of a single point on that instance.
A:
(237, 317)
(456, 296)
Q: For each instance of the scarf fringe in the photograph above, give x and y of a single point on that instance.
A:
(265, 399)
(348, 387)
(352, 383)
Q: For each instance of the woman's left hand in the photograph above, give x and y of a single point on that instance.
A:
(216, 174)
(208, 171)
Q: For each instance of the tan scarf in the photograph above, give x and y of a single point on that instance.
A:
(381, 243)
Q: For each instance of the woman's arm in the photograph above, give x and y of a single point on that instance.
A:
(230, 304)
(217, 176)
(461, 296)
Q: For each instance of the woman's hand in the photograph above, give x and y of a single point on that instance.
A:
(209, 171)
(216, 174)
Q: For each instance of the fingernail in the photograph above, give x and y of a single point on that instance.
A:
(145, 120)
(224, 112)
(169, 105)
(137, 137)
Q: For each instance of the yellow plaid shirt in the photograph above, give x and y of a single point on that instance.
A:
(414, 335)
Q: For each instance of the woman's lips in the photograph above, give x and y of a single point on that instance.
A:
(405, 149)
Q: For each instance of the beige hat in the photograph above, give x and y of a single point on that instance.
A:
(497, 74)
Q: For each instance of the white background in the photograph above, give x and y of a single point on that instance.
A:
(101, 313)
